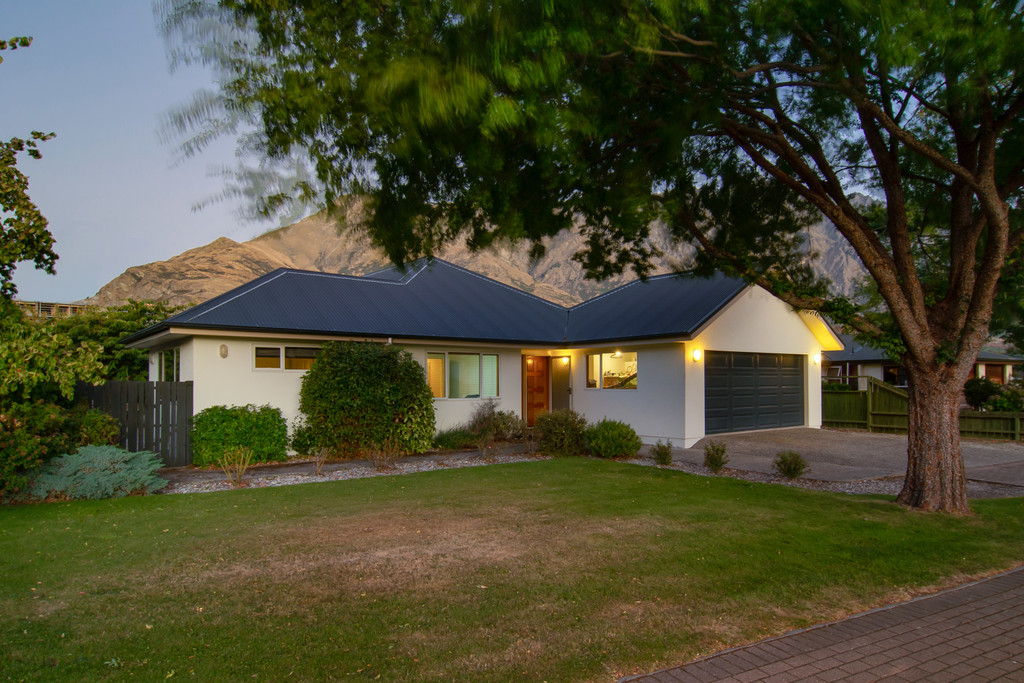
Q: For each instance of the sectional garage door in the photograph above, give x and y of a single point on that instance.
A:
(752, 391)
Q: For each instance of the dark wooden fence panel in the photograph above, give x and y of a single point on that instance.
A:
(884, 408)
(154, 416)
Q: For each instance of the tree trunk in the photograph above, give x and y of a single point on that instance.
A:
(935, 477)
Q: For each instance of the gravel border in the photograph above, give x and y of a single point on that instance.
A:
(266, 477)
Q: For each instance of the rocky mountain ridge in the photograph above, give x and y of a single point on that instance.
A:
(318, 243)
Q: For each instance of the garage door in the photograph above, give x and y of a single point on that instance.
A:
(752, 391)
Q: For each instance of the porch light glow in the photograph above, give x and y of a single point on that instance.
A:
(618, 354)
(696, 355)
(565, 360)
(817, 359)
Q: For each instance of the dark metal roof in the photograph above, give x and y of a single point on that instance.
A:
(438, 300)
(663, 306)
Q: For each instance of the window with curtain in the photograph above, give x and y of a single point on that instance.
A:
(435, 374)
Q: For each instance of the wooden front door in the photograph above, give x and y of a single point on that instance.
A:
(536, 393)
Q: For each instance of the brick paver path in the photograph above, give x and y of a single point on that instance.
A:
(971, 633)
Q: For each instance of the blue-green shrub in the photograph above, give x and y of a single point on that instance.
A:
(96, 472)
(612, 439)
(217, 429)
(561, 433)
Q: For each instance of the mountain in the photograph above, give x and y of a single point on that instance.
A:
(320, 243)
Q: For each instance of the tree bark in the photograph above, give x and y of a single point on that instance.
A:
(935, 478)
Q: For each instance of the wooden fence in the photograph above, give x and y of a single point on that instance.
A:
(154, 416)
(884, 408)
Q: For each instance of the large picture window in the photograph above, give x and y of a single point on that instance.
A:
(616, 370)
(469, 375)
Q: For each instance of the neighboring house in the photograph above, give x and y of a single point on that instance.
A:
(856, 361)
(676, 357)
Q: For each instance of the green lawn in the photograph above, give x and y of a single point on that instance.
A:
(556, 570)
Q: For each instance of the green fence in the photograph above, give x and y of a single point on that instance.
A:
(883, 408)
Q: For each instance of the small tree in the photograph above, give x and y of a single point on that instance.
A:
(359, 397)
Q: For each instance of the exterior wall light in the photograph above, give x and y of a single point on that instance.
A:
(565, 360)
(817, 359)
(223, 350)
(697, 355)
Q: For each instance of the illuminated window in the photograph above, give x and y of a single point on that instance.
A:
(616, 370)
(435, 374)
(469, 375)
(295, 357)
(299, 357)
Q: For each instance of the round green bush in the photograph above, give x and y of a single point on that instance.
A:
(561, 433)
(979, 390)
(218, 429)
(612, 439)
(359, 398)
(790, 464)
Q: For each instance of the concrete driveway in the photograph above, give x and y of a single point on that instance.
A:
(835, 455)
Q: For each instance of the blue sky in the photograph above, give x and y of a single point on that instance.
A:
(97, 76)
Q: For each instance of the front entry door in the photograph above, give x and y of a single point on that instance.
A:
(561, 388)
(536, 387)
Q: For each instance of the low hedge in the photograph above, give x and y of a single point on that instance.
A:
(218, 429)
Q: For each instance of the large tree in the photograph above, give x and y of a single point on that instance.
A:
(24, 232)
(731, 122)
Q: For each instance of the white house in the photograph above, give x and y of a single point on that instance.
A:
(677, 357)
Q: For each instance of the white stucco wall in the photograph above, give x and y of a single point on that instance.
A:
(234, 379)
(669, 400)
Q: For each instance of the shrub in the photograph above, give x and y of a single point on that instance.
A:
(612, 439)
(488, 424)
(359, 396)
(235, 461)
(714, 456)
(662, 453)
(978, 390)
(790, 464)
(561, 432)
(1010, 399)
(96, 472)
(302, 440)
(31, 434)
(93, 427)
(218, 429)
(454, 439)
(836, 386)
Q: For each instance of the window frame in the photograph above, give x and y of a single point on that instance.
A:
(282, 357)
(446, 369)
(175, 362)
(598, 385)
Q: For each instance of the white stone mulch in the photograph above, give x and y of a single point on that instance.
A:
(887, 486)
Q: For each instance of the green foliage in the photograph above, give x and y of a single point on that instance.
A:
(97, 472)
(454, 439)
(662, 453)
(359, 396)
(790, 464)
(24, 232)
(36, 362)
(93, 427)
(836, 386)
(218, 429)
(561, 433)
(978, 390)
(612, 439)
(1009, 400)
(714, 456)
(302, 439)
(30, 434)
(106, 327)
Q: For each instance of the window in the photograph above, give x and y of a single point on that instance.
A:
(616, 370)
(470, 375)
(435, 374)
(295, 357)
(169, 365)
